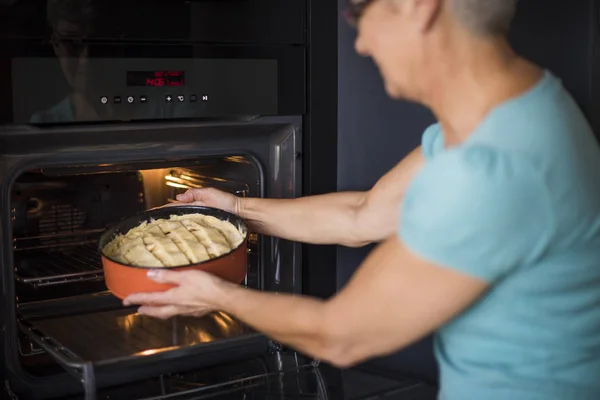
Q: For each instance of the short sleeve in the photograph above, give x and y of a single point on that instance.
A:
(432, 141)
(477, 211)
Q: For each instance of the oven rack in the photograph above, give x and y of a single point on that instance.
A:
(106, 347)
(285, 384)
(43, 266)
(184, 179)
(56, 265)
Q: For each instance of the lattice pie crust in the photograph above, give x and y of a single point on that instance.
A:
(177, 241)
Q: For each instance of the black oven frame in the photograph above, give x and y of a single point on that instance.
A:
(319, 156)
(196, 139)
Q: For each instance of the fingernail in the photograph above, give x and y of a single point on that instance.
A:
(179, 196)
(152, 274)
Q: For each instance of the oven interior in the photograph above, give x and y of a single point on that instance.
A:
(65, 313)
(58, 214)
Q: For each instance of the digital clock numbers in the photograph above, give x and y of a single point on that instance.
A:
(156, 78)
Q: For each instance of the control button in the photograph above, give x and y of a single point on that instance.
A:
(143, 99)
(168, 98)
(204, 97)
(193, 98)
(130, 99)
(117, 100)
(103, 99)
(181, 98)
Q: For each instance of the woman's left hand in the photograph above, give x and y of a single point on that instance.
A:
(195, 294)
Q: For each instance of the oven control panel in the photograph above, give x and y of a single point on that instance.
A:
(63, 90)
(143, 99)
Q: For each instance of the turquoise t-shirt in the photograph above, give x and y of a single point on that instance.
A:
(518, 206)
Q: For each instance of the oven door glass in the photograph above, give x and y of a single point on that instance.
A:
(66, 62)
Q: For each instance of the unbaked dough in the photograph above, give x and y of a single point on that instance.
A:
(177, 241)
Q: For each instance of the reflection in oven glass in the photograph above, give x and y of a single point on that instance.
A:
(124, 332)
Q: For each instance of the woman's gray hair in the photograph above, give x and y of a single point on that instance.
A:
(484, 17)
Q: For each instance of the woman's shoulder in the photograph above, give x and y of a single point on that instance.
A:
(482, 163)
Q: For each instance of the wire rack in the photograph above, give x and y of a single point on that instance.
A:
(300, 383)
(179, 180)
(57, 249)
(53, 265)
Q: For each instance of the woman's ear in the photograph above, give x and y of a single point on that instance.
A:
(424, 13)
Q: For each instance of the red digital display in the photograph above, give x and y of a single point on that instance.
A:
(155, 78)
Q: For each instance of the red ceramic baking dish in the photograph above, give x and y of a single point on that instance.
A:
(123, 279)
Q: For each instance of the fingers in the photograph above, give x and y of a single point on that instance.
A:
(162, 312)
(173, 204)
(171, 296)
(155, 298)
(179, 278)
(163, 276)
(190, 195)
(186, 197)
(168, 311)
(179, 204)
(160, 298)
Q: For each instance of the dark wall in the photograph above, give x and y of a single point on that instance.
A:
(560, 36)
(374, 132)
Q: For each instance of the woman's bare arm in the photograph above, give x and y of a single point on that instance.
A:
(348, 218)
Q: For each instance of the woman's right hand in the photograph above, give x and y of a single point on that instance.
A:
(210, 197)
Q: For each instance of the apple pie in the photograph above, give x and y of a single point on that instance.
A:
(177, 241)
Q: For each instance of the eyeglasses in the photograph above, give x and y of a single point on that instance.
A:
(355, 10)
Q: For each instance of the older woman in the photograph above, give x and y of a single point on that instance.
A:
(497, 243)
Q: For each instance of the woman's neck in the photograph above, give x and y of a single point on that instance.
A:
(473, 80)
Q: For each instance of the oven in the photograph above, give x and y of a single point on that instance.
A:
(108, 108)
(58, 198)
